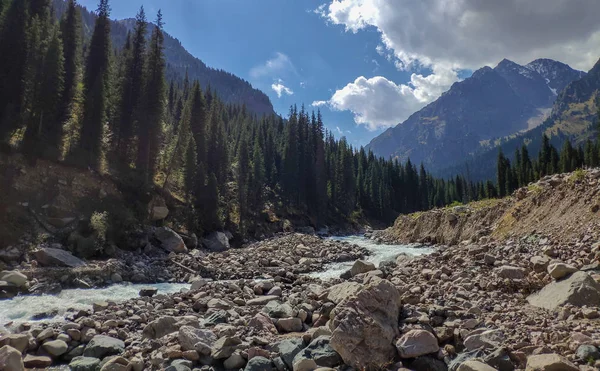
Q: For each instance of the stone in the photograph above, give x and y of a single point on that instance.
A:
(417, 343)
(46, 333)
(216, 318)
(474, 365)
(234, 362)
(361, 266)
(102, 346)
(485, 340)
(13, 277)
(18, 341)
(579, 290)
(587, 353)
(344, 290)
(540, 263)
(170, 240)
(560, 270)
(262, 322)
(116, 278)
(50, 257)
(198, 283)
(84, 364)
(10, 359)
(55, 348)
(160, 327)
(189, 336)
(500, 360)
(259, 364)
(224, 347)
(159, 213)
(292, 324)
(178, 367)
(549, 362)
(10, 254)
(463, 357)
(32, 361)
(321, 352)
(305, 364)
(262, 300)
(148, 292)
(288, 349)
(510, 272)
(365, 325)
(275, 309)
(216, 242)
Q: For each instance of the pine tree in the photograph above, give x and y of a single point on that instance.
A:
(96, 81)
(149, 131)
(71, 34)
(501, 174)
(131, 89)
(13, 49)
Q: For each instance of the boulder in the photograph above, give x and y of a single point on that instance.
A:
(224, 347)
(50, 257)
(262, 322)
(159, 213)
(288, 349)
(549, 362)
(304, 364)
(13, 277)
(321, 352)
(292, 324)
(10, 359)
(560, 270)
(32, 361)
(103, 346)
(579, 290)
(262, 300)
(344, 290)
(170, 240)
(84, 364)
(10, 254)
(485, 340)
(588, 352)
(510, 272)
(259, 364)
(275, 309)
(148, 292)
(160, 327)
(474, 365)
(18, 341)
(365, 325)
(217, 242)
(189, 336)
(500, 360)
(540, 263)
(417, 343)
(56, 348)
(360, 267)
(235, 362)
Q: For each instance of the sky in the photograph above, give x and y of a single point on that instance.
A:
(369, 64)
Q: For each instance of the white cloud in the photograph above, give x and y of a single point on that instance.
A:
(278, 65)
(319, 103)
(281, 89)
(378, 102)
(468, 34)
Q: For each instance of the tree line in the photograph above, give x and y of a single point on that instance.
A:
(79, 101)
(525, 169)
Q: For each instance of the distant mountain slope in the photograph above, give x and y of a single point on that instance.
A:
(230, 88)
(490, 104)
(574, 116)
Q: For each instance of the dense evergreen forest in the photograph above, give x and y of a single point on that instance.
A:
(81, 102)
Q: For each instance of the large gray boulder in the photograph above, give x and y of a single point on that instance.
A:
(365, 325)
(339, 292)
(170, 240)
(10, 359)
(579, 289)
(216, 241)
(103, 346)
(361, 266)
(13, 277)
(50, 257)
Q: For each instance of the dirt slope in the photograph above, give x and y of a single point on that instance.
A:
(563, 206)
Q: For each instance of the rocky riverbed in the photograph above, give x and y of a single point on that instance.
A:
(526, 303)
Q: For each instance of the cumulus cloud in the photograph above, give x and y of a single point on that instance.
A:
(468, 34)
(278, 65)
(281, 89)
(378, 102)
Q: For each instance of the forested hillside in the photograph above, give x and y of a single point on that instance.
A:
(230, 88)
(76, 101)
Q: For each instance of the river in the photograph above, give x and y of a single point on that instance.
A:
(25, 308)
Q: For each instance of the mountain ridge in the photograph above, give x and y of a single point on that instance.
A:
(492, 103)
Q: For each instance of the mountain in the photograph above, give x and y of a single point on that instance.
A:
(491, 104)
(230, 88)
(573, 116)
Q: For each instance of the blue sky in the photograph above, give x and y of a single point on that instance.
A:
(241, 36)
(369, 64)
